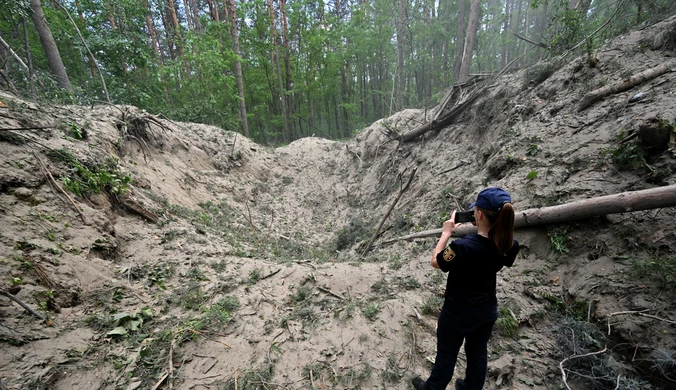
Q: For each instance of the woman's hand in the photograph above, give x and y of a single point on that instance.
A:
(450, 225)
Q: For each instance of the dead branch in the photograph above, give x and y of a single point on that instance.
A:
(136, 207)
(625, 85)
(16, 57)
(171, 365)
(624, 202)
(446, 119)
(389, 210)
(642, 314)
(50, 177)
(540, 44)
(17, 300)
(564, 376)
(159, 382)
(273, 273)
(355, 154)
(326, 290)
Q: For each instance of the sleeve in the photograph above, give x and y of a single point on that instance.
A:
(510, 256)
(448, 258)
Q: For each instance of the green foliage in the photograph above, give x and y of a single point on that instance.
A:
(506, 324)
(355, 231)
(659, 269)
(532, 175)
(301, 294)
(558, 238)
(371, 310)
(432, 305)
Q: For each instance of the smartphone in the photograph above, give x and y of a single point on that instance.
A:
(464, 216)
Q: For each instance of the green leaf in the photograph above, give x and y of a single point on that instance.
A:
(121, 317)
(147, 312)
(134, 325)
(118, 331)
(532, 175)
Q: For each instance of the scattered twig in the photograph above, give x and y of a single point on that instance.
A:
(642, 314)
(17, 300)
(389, 210)
(49, 176)
(564, 376)
(271, 274)
(159, 383)
(326, 290)
(171, 365)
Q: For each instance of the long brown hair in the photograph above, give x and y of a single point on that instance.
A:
(502, 231)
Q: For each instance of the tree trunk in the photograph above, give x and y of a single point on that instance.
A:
(624, 85)
(624, 202)
(447, 25)
(470, 38)
(401, 25)
(505, 29)
(196, 15)
(151, 30)
(271, 11)
(459, 41)
(49, 45)
(238, 70)
(29, 59)
(287, 55)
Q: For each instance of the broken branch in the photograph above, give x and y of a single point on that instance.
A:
(50, 177)
(17, 300)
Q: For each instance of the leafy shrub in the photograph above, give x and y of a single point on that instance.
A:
(506, 324)
(351, 233)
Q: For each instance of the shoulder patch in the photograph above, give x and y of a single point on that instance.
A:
(449, 254)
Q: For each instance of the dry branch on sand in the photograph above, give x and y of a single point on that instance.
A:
(624, 202)
(625, 85)
(26, 307)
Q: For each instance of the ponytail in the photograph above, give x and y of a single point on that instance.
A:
(502, 231)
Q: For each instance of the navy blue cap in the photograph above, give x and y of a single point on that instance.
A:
(492, 199)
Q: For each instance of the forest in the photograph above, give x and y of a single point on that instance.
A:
(277, 71)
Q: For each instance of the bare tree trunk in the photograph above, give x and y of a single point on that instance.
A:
(238, 70)
(271, 11)
(470, 38)
(196, 15)
(151, 30)
(401, 25)
(29, 59)
(447, 25)
(49, 45)
(505, 32)
(459, 41)
(287, 56)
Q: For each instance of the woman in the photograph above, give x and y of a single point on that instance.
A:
(470, 305)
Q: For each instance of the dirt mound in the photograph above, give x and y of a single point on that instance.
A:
(176, 253)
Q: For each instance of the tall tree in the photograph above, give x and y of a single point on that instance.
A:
(401, 36)
(238, 69)
(459, 40)
(470, 39)
(49, 46)
(273, 28)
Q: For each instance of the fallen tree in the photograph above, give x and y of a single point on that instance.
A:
(624, 85)
(624, 202)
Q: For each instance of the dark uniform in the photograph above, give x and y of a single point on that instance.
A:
(470, 308)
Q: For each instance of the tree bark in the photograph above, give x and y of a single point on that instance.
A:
(287, 56)
(470, 39)
(624, 85)
(459, 41)
(239, 78)
(624, 202)
(271, 11)
(29, 59)
(505, 29)
(49, 45)
(401, 23)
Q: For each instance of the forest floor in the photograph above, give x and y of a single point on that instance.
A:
(229, 265)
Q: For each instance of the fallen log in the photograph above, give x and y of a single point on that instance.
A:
(624, 85)
(653, 198)
(446, 119)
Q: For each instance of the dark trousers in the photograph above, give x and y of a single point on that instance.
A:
(456, 325)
